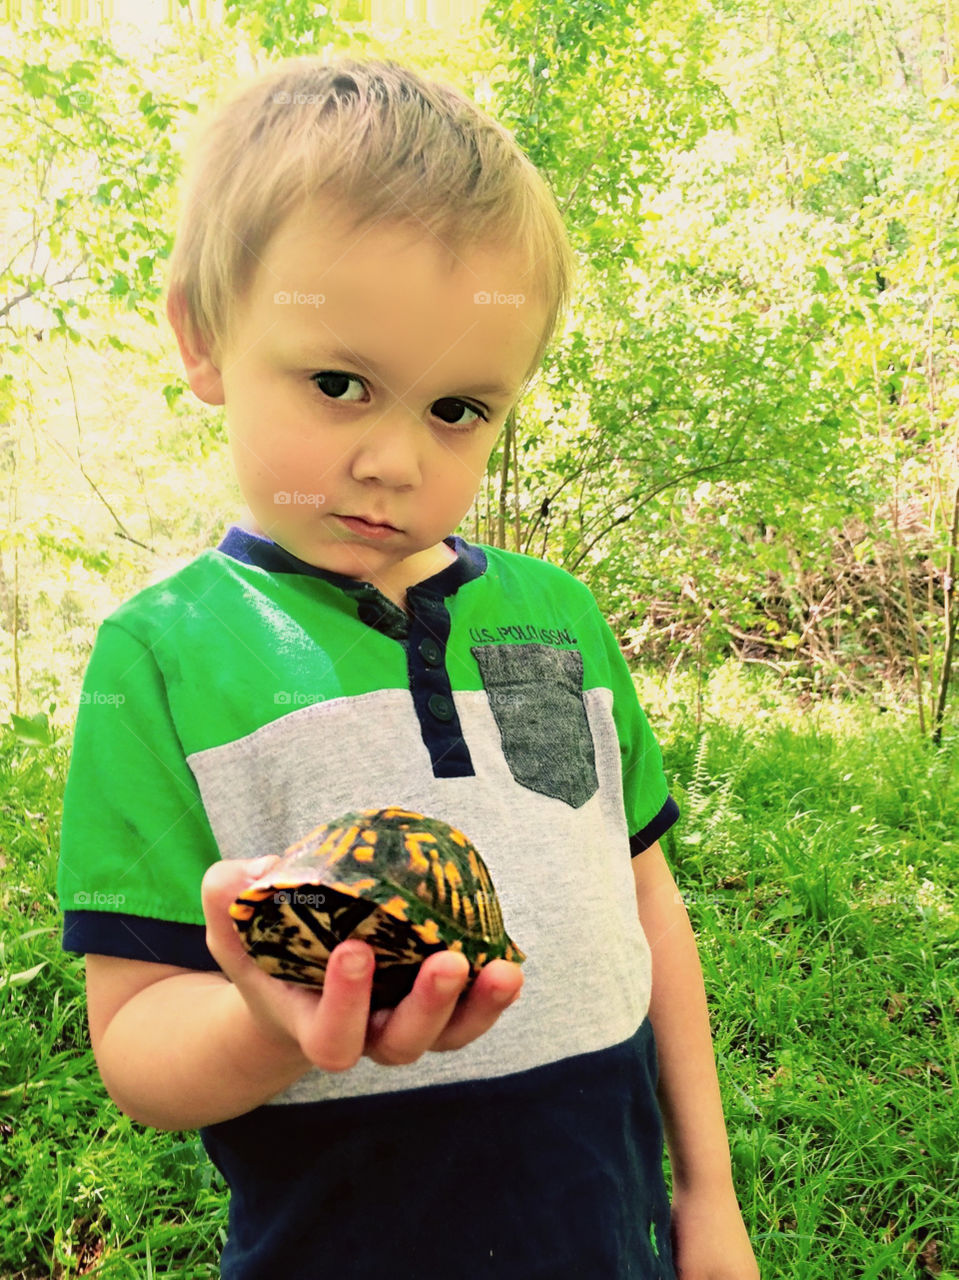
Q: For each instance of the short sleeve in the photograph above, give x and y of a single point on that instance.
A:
(135, 837)
(650, 809)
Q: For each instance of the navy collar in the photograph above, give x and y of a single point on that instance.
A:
(250, 548)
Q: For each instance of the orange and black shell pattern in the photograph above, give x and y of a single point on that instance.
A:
(406, 884)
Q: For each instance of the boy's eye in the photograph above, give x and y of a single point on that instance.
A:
(456, 408)
(334, 385)
(449, 409)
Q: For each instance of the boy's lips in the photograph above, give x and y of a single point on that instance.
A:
(367, 528)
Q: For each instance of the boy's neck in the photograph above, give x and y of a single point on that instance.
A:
(442, 556)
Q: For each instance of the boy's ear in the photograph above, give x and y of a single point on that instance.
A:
(202, 372)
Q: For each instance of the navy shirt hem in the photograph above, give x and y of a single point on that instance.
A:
(667, 816)
(130, 937)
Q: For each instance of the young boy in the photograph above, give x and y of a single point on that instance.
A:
(366, 274)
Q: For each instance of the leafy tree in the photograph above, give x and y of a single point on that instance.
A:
(92, 148)
(745, 436)
(87, 218)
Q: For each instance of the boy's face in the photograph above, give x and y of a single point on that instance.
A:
(356, 384)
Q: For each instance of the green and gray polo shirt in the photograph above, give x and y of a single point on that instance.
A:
(234, 706)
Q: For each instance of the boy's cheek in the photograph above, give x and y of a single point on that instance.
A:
(256, 459)
(262, 487)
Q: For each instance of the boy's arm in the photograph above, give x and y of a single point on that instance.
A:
(178, 1049)
(709, 1237)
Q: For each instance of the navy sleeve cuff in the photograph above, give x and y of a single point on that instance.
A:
(667, 815)
(113, 933)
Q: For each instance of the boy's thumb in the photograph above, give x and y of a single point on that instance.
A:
(259, 866)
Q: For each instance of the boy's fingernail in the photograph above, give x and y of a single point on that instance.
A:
(257, 868)
(356, 966)
(445, 986)
(504, 997)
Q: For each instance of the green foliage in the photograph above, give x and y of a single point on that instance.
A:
(88, 211)
(597, 94)
(286, 29)
(745, 439)
(82, 1183)
(799, 318)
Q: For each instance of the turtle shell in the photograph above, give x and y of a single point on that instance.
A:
(407, 884)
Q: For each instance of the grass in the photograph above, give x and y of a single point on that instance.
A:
(818, 857)
(85, 1191)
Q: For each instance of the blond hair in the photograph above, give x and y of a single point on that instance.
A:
(381, 142)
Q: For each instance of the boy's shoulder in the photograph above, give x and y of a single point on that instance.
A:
(174, 592)
(507, 567)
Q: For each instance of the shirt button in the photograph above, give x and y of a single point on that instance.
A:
(430, 652)
(441, 707)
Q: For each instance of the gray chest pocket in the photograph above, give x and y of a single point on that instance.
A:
(536, 696)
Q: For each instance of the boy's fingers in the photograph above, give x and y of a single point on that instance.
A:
(226, 879)
(331, 1030)
(430, 1017)
(337, 1031)
(419, 1019)
(498, 985)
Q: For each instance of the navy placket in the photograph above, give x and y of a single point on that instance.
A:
(430, 684)
(425, 632)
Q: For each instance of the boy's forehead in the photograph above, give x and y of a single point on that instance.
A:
(390, 292)
(323, 234)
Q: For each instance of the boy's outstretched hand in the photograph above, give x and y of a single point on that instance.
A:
(334, 1028)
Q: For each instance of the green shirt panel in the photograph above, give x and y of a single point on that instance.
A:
(227, 635)
(135, 836)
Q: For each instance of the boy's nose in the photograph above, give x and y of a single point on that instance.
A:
(388, 450)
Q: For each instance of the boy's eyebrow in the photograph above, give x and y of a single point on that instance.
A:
(353, 357)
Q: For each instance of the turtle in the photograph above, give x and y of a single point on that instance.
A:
(407, 884)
